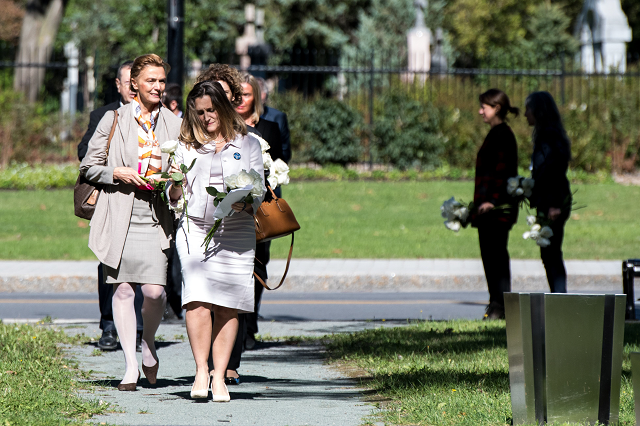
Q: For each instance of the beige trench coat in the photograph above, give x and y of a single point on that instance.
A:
(110, 222)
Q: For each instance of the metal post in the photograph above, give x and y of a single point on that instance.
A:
(175, 41)
(628, 274)
(371, 86)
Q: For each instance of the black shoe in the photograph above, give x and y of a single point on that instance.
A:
(249, 342)
(108, 341)
(232, 380)
(139, 343)
(494, 311)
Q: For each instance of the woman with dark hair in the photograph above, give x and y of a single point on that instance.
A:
(497, 161)
(551, 194)
(131, 228)
(219, 279)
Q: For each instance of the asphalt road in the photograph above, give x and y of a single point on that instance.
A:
(275, 306)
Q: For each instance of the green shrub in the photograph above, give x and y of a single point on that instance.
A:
(24, 176)
(406, 132)
(333, 129)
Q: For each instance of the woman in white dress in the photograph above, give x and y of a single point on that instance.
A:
(219, 279)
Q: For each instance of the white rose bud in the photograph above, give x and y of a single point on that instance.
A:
(519, 192)
(169, 147)
(536, 227)
(513, 184)
(280, 166)
(526, 235)
(531, 220)
(267, 161)
(283, 178)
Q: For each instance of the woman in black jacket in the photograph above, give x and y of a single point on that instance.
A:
(497, 161)
(551, 194)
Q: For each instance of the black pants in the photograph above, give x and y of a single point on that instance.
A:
(105, 297)
(494, 239)
(552, 258)
(174, 282)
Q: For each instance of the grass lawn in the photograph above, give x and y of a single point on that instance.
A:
(359, 219)
(37, 385)
(446, 373)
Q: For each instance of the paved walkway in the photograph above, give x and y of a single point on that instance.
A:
(283, 383)
(310, 275)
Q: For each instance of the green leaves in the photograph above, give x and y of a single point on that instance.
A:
(177, 177)
(212, 191)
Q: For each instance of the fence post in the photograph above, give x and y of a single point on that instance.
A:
(371, 86)
(562, 75)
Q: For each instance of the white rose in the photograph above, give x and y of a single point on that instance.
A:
(178, 208)
(536, 227)
(280, 166)
(283, 178)
(448, 208)
(462, 213)
(453, 225)
(169, 147)
(526, 235)
(513, 184)
(534, 235)
(244, 179)
(519, 192)
(255, 175)
(231, 182)
(543, 242)
(266, 160)
(264, 145)
(528, 183)
(546, 232)
(273, 181)
(531, 220)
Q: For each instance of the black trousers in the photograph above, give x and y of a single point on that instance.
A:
(552, 257)
(174, 282)
(105, 298)
(494, 239)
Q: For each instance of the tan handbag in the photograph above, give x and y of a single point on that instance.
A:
(85, 193)
(275, 219)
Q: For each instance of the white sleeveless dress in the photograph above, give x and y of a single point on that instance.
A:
(223, 275)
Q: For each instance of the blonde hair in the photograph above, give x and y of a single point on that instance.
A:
(148, 60)
(257, 97)
(193, 133)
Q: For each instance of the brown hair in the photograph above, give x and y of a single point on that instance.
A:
(257, 96)
(223, 72)
(149, 60)
(193, 133)
(495, 97)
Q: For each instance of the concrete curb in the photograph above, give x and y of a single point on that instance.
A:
(337, 275)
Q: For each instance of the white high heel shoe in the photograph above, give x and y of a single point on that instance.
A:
(221, 398)
(199, 394)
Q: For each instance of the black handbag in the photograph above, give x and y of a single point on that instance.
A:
(85, 193)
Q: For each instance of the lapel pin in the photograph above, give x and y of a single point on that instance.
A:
(237, 156)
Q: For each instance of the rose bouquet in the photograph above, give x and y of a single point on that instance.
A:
(520, 188)
(456, 214)
(251, 181)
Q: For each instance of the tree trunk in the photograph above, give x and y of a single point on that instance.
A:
(37, 36)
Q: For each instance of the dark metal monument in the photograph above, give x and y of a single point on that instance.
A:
(565, 356)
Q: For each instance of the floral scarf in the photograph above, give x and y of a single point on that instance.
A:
(149, 154)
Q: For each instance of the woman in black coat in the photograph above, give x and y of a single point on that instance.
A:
(551, 194)
(497, 161)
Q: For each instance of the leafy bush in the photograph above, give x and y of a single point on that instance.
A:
(407, 133)
(333, 129)
(24, 176)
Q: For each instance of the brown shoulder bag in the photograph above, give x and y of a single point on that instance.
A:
(85, 192)
(275, 219)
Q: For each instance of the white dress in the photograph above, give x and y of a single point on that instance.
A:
(223, 275)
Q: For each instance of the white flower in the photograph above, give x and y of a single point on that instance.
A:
(231, 181)
(448, 207)
(273, 181)
(266, 160)
(583, 107)
(513, 184)
(526, 235)
(179, 207)
(255, 176)
(531, 220)
(462, 213)
(264, 145)
(519, 192)
(283, 178)
(453, 225)
(244, 179)
(534, 235)
(543, 242)
(280, 166)
(169, 147)
(546, 232)
(528, 183)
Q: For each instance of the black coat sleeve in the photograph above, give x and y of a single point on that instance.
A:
(94, 119)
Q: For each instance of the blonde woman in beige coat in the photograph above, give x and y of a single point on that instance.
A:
(131, 228)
